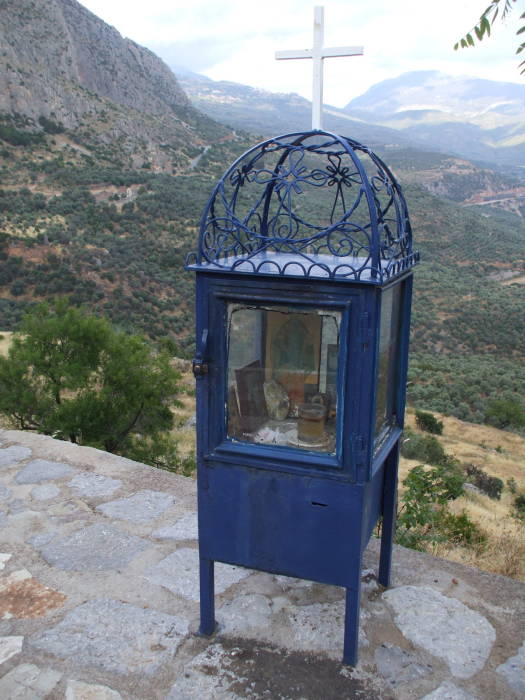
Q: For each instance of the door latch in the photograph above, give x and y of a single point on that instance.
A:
(199, 365)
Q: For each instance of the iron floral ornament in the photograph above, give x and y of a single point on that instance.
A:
(310, 204)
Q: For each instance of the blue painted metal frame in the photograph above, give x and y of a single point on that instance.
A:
(284, 510)
(276, 508)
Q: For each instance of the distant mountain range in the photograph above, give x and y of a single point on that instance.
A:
(476, 119)
(269, 113)
(479, 119)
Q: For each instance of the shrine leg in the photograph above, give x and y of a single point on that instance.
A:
(207, 597)
(389, 515)
(353, 600)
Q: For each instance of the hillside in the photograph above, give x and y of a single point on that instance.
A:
(100, 161)
(101, 200)
(498, 454)
(442, 163)
(63, 68)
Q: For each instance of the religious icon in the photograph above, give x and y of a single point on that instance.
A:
(277, 401)
(292, 347)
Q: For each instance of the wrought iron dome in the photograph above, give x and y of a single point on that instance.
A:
(307, 204)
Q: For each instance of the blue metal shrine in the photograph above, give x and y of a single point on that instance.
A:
(304, 277)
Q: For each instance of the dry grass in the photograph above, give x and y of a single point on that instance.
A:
(500, 454)
(184, 434)
(497, 452)
(5, 342)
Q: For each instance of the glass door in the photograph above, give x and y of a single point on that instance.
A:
(282, 367)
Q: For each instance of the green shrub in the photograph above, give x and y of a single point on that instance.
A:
(460, 529)
(425, 448)
(505, 413)
(73, 375)
(490, 485)
(429, 423)
(16, 137)
(519, 507)
(50, 126)
(423, 518)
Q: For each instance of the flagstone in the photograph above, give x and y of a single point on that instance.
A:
(449, 691)
(42, 470)
(186, 528)
(513, 670)
(443, 626)
(45, 492)
(141, 507)
(11, 455)
(115, 637)
(9, 646)
(28, 682)
(99, 547)
(179, 573)
(76, 690)
(94, 485)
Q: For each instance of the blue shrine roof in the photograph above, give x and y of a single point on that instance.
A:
(307, 204)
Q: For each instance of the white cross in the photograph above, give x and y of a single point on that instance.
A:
(318, 53)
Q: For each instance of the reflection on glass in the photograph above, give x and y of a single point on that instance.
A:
(282, 376)
(389, 336)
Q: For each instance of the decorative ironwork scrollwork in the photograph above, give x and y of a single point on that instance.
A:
(309, 204)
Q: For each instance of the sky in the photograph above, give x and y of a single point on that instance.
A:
(236, 40)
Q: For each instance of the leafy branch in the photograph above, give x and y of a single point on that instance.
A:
(482, 29)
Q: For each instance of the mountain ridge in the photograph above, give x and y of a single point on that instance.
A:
(492, 134)
(480, 119)
(63, 68)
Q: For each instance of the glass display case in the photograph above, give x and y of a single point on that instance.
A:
(282, 375)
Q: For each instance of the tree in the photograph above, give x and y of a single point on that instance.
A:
(505, 413)
(429, 423)
(74, 376)
(485, 22)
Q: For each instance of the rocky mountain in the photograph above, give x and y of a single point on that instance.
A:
(61, 67)
(477, 119)
(52, 44)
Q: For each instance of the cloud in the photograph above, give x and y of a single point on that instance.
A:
(236, 40)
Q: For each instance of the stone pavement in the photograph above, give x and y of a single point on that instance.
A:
(99, 600)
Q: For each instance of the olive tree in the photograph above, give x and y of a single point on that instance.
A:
(74, 376)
